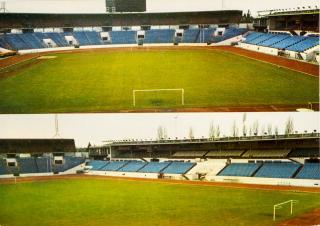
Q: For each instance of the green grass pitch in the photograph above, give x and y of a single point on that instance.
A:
(104, 81)
(122, 202)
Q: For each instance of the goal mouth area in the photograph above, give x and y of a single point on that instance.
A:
(157, 97)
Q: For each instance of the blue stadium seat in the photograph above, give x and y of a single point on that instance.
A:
(27, 165)
(288, 42)
(304, 45)
(123, 37)
(278, 170)
(252, 36)
(260, 39)
(82, 38)
(114, 166)
(94, 37)
(275, 39)
(3, 167)
(240, 169)
(229, 33)
(309, 171)
(178, 168)
(16, 42)
(44, 164)
(154, 167)
(159, 36)
(58, 38)
(190, 36)
(132, 166)
(97, 164)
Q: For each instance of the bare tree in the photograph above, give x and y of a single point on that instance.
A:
(255, 128)
(250, 131)
(269, 129)
(263, 130)
(276, 131)
(289, 127)
(212, 131)
(165, 135)
(244, 126)
(160, 133)
(217, 131)
(234, 129)
(191, 135)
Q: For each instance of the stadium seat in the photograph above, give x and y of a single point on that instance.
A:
(154, 167)
(305, 44)
(309, 171)
(229, 33)
(278, 170)
(97, 164)
(281, 153)
(178, 168)
(305, 152)
(123, 37)
(132, 166)
(159, 36)
(114, 166)
(3, 167)
(287, 42)
(190, 36)
(195, 154)
(44, 164)
(240, 169)
(225, 153)
(275, 39)
(27, 165)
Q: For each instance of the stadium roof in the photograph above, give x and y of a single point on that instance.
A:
(36, 145)
(48, 20)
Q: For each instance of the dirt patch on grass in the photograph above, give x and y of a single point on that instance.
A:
(308, 219)
(21, 66)
(46, 57)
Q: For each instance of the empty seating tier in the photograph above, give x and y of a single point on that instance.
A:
(189, 154)
(309, 171)
(159, 36)
(28, 165)
(154, 167)
(225, 153)
(178, 168)
(278, 170)
(97, 164)
(113, 166)
(307, 152)
(133, 166)
(240, 169)
(266, 153)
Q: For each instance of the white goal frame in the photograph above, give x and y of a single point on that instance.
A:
(156, 90)
(279, 206)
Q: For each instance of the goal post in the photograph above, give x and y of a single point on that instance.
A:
(135, 91)
(279, 206)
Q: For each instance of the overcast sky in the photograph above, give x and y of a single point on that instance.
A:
(96, 128)
(98, 6)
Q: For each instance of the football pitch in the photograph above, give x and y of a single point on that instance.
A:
(123, 202)
(103, 81)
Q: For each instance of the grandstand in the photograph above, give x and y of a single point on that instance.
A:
(43, 40)
(293, 158)
(282, 41)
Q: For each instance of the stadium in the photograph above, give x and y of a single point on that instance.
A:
(222, 181)
(210, 61)
(129, 60)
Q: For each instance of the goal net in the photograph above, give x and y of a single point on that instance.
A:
(157, 96)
